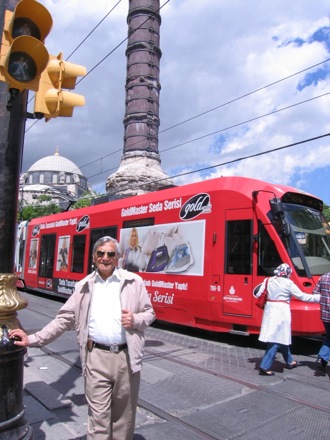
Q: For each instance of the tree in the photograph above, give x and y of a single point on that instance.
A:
(326, 212)
(84, 201)
(34, 211)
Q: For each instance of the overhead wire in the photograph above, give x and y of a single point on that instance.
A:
(94, 29)
(119, 44)
(198, 115)
(220, 106)
(250, 156)
(80, 44)
(109, 53)
(245, 95)
(215, 132)
(195, 116)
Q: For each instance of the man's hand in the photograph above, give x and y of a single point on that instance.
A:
(127, 319)
(20, 337)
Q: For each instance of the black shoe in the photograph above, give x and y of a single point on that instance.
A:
(321, 364)
(263, 372)
(293, 364)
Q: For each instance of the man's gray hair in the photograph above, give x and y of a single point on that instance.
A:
(106, 239)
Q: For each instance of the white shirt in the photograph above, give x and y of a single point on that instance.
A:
(105, 316)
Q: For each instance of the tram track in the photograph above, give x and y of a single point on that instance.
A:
(262, 388)
(171, 418)
(158, 412)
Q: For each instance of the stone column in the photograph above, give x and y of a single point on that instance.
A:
(140, 168)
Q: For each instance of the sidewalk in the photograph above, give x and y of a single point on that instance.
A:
(54, 398)
(56, 407)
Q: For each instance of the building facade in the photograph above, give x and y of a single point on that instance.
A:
(55, 176)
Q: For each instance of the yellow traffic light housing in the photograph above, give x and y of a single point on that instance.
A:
(23, 55)
(51, 100)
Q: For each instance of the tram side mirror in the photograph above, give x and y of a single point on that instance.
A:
(286, 230)
(276, 208)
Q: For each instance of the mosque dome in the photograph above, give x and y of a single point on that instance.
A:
(55, 163)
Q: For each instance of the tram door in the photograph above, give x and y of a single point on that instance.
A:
(237, 296)
(47, 256)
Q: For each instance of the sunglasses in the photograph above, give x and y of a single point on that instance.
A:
(101, 254)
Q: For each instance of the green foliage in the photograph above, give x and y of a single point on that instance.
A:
(44, 198)
(84, 201)
(33, 211)
(326, 212)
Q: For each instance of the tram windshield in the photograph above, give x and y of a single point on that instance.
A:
(307, 239)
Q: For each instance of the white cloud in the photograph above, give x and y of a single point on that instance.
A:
(212, 52)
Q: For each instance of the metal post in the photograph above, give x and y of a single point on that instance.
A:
(12, 127)
(13, 426)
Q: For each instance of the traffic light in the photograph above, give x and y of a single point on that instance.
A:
(51, 100)
(23, 55)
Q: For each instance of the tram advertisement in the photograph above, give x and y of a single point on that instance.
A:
(171, 249)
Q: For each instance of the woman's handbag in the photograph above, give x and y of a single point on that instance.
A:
(262, 299)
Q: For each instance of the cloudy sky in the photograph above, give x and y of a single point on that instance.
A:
(238, 78)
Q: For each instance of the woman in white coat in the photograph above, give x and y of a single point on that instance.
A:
(276, 320)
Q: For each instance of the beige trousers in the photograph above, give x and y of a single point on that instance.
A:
(111, 392)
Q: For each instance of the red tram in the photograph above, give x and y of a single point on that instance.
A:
(202, 249)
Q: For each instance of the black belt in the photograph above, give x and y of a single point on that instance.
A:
(114, 348)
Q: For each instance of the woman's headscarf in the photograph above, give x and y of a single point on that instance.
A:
(283, 270)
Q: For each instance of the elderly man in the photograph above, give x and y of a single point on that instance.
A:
(110, 310)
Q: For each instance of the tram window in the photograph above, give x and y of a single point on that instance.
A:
(78, 253)
(95, 235)
(20, 247)
(150, 221)
(47, 252)
(239, 248)
(268, 256)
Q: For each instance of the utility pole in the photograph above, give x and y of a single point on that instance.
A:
(12, 126)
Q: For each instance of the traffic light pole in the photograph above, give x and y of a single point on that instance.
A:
(12, 126)
(24, 25)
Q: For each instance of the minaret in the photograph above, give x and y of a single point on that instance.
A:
(140, 167)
